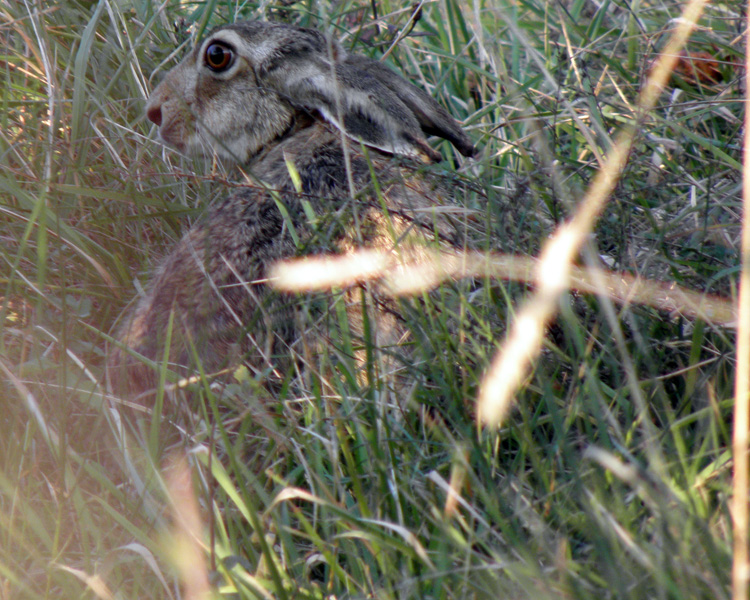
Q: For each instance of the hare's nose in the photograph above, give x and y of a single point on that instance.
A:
(154, 114)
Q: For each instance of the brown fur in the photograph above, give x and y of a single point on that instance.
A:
(212, 284)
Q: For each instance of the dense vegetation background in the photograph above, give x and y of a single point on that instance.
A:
(611, 477)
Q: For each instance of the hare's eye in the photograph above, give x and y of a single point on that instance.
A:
(219, 57)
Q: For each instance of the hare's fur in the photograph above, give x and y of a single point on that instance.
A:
(288, 100)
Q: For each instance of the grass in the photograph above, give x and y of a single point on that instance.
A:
(610, 478)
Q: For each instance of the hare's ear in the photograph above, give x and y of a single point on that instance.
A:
(370, 103)
(432, 117)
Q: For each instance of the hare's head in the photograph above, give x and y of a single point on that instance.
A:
(248, 84)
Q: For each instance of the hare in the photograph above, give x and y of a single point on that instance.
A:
(331, 144)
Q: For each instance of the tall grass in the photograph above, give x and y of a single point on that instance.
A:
(610, 477)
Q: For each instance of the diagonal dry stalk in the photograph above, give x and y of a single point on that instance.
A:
(524, 341)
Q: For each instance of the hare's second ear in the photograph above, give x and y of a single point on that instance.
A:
(370, 103)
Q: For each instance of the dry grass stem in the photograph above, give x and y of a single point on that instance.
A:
(417, 276)
(324, 273)
(186, 547)
(523, 344)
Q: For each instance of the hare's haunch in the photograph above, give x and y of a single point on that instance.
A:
(281, 101)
